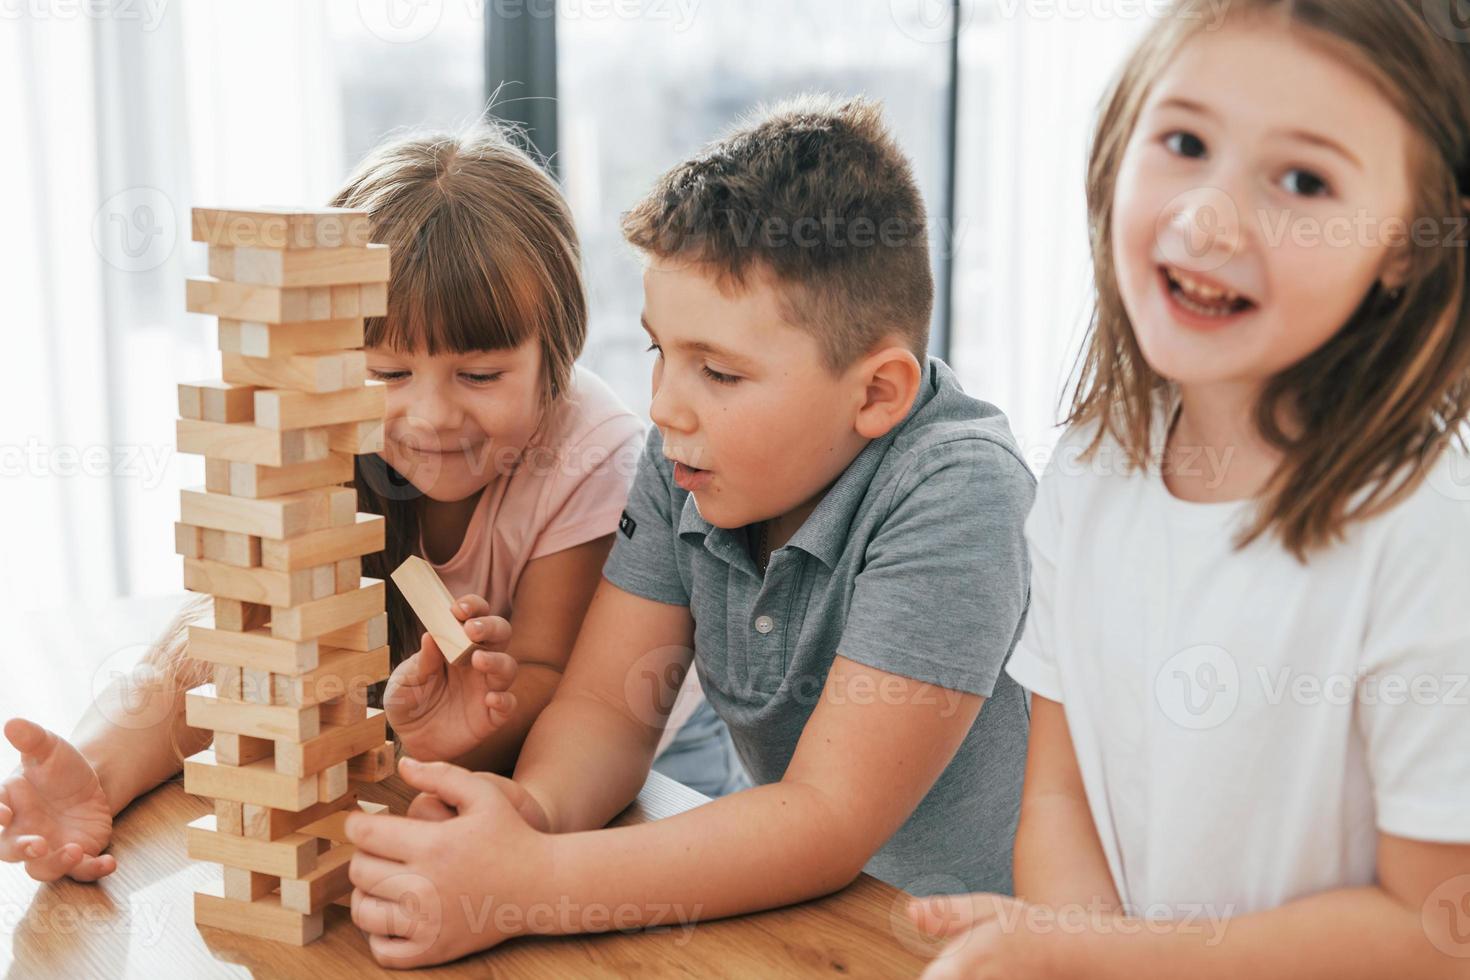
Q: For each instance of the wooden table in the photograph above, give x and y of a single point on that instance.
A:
(139, 920)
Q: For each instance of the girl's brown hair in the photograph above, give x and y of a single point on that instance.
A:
(1380, 401)
(484, 257)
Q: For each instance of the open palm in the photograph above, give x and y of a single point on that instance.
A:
(54, 815)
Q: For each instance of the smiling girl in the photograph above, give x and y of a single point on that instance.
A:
(1250, 744)
(504, 464)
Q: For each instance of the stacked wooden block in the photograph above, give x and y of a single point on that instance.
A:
(299, 635)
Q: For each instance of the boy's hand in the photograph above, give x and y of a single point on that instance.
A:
(990, 936)
(429, 891)
(54, 815)
(441, 710)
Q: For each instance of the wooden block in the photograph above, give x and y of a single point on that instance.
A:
(290, 857)
(363, 536)
(256, 481)
(242, 442)
(369, 634)
(217, 401)
(263, 585)
(300, 267)
(239, 617)
(319, 888)
(332, 782)
(279, 409)
(333, 827)
(317, 373)
(432, 603)
(374, 299)
(266, 823)
(256, 685)
(282, 227)
(203, 709)
(349, 709)
(228, 681)
(357, 438)
(231, 547)
(336, 744)
(338, 672)
(238, 301)
(229, 817)
(188, 540)
(346, 301)
(217, 475)
(349, 574)
(255, 782)
(312, 619)
(255, 647)
(241, 750)
(263, 918)
(323, 581)
(243, 885)
(278, 517)
(255, 338)
(373, 766)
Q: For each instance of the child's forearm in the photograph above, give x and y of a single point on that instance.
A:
(134, 734)
(758, 849)
(584, 762)
(534, 687)
(1337, 935)
(1058, 859)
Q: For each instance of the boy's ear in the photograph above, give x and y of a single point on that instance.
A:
(891, 378)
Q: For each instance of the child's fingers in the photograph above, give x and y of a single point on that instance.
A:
(455, 785)
(55, 864)
(430, 659)
(942, 916)
(427, 806)
(489, 631)
(499, 668)
(91, 867)
(6, 814)
(373, 915)
(500, 704)
(469, 606)
(30, 739)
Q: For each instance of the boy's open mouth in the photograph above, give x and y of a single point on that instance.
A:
(691, 478)
(1201, 297)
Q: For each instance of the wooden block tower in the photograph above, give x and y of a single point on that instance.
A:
(299, 635)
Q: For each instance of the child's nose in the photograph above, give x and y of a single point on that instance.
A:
(668, 410)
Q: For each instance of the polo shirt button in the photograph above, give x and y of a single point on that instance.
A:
(764, 624)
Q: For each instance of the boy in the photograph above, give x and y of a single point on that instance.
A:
(825, 524)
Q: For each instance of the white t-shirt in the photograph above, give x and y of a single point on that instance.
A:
(1245, 724)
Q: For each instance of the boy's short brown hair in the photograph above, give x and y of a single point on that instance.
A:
(815, 194)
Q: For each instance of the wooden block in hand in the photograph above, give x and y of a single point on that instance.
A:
(282, 227)
(432, 603)
(300, 267)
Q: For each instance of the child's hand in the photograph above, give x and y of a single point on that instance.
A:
(427, 806)
(991, 936)
(441, 710)
(54, 815)
(430, 891)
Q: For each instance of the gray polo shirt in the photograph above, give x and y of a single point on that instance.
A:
(913, 563)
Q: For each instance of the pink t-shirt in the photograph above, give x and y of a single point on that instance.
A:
(569, 487)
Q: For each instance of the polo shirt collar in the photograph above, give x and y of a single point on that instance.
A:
(824, 533)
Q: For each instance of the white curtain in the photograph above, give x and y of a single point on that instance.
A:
(1031, 78)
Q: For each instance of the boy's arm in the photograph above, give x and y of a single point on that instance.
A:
(861, 767)
(589, 752)
(1058, 859)
(550, 602)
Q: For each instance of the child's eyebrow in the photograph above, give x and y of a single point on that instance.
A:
(1303, 135)
(738, 361)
